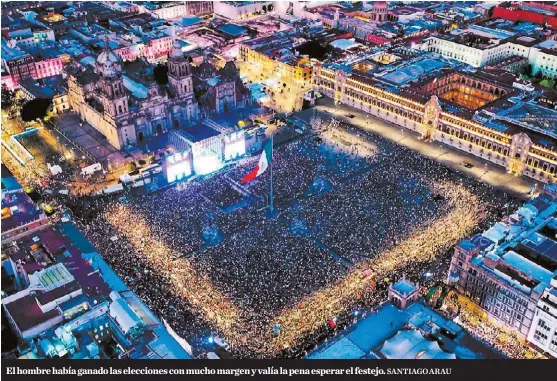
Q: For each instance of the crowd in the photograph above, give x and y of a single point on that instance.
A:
(221, 191)
(389, 212)
(505, 342)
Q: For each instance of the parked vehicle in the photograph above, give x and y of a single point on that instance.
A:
(112, 188)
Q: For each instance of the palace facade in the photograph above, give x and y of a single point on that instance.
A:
(517, 153)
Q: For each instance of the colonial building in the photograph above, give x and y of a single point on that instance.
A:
(543, 332)
(380, 11)
(219, 91)
(507, 269)
(424, 113)
(20, 216)
(127, 111)
(479, 46)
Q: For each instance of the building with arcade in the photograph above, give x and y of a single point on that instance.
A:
(479, 114)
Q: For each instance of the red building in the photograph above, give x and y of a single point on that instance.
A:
(518, 14)
(19, 65)
(378, 40)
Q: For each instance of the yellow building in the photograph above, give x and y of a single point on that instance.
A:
(289, 69)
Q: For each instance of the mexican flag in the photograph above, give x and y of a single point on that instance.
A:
(264, 162)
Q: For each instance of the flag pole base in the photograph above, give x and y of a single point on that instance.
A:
(271, 214)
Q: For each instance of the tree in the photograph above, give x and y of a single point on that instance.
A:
(526, 69)
(549, 83)
(8, 98)
(160, 72)
(35, 109)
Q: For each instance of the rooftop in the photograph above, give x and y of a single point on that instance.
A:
(407, 73)
(199, 132)
(542, 245)
(12, 53)
(18, 209)
(27, 313)
(528, 267)
(404, 287)
(410, 345)
(54, 276)
(393, 333)
(9, 182)
(232, 30)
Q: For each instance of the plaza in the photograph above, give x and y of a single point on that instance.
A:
(244, 276)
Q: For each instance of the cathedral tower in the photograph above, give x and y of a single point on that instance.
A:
(113, 92)
(179, 72)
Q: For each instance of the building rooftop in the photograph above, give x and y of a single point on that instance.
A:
(54, 277)
(27, 313)
(404, 287)
(410, 345)
(377, 336)
(9, 182)
(477, 36)
(519, 250)
(18, 209)
(232, 30)
(12, 53)
(411, 72)
(238, 4)
(542, 245)
(199, 132)
(528, 267)
(90, 283)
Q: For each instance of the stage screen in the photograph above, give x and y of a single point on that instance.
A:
(178, 167)
(235, 149)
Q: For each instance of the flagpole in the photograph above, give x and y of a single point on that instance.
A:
(271, 195)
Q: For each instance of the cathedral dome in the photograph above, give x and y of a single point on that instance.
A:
(108, 57)
(108, 63)
(229, 70)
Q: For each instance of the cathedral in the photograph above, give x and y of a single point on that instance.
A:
(128, 111)
(219, 91)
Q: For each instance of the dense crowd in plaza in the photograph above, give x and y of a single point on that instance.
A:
(224, 194)
(270, 286)
(268, 290)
